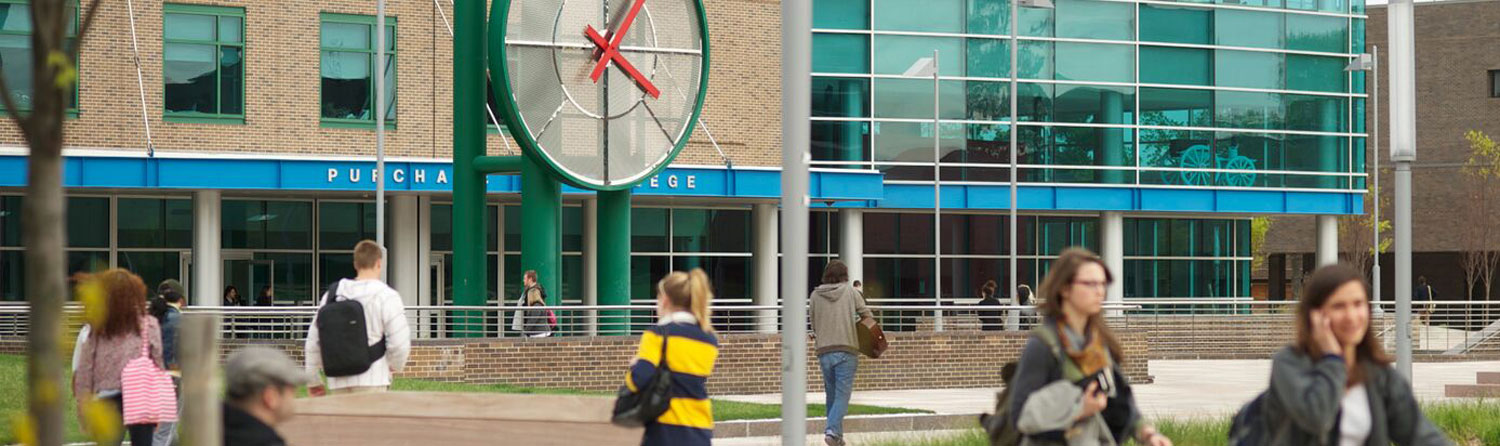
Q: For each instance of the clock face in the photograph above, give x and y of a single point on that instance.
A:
(605, 91)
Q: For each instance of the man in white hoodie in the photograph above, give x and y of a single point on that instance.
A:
(385, 317)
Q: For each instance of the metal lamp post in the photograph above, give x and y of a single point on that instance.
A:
(1371, 62)
(1403, 152)
(1015, 223)
(928, 66)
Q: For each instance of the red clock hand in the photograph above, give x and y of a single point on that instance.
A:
(610, 51)
(619, 60)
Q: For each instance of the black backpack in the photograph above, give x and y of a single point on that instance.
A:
(635, 409)
(342, 336)
(999, 426)
(1248, 427)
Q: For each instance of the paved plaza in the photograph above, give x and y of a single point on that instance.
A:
(1183, 388)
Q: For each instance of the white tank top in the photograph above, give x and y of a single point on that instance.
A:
(1354, 425)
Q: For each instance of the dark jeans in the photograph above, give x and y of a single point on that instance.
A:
(140, 434)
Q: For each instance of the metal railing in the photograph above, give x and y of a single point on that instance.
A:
(1452, 327)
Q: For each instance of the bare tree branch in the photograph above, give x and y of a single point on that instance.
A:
(83, 29)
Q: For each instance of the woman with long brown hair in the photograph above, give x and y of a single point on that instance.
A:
(1334, 385)
(115, 342)
(1068, 388)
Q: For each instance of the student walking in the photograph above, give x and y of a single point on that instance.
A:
(536, 320)
(114, 343)
(1068, 388)
(1334, 386)
(684, 338)
(171, 300)
(833, 308)
(990, 319)
(387, 340)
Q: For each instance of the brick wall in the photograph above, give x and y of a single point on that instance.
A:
(282, 79)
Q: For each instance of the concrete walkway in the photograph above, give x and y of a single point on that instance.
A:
(1183, 388)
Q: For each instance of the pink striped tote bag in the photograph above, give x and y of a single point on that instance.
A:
(148, 394)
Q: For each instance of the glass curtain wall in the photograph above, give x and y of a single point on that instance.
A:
(88, 242)
(680, 239)
(1193, 94)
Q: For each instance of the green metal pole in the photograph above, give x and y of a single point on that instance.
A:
(613, 228)
(541, 220)
(468, 143)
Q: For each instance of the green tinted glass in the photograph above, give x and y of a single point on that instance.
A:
(1091, 19)
(841, 14)
(988, 17)
(912, 98)
(230, 29)
(1247, 69)
(346, 35)
(840, 140)
(987, 57)
(1036, 60)
(926, 16)
(897, 54)
(1316, 73)
(987, 101)
(1160, 23)
(841, 97)
(1095, 62)
(189, 27)
(1256, 29)
(85, 215)
(912, 142)
(1176, 108)
(1091, 104)
(1316, 33)
(1238, 109)
(15, 18)
(841, 53)
(648, 230)
(1185, 66)
(1316, 113)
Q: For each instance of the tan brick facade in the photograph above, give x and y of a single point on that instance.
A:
(282, 96)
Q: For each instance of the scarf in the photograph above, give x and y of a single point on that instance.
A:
(1093, 357)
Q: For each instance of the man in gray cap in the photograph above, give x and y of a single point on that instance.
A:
(260, 386)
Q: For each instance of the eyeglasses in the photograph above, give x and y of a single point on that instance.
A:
(1096, 284)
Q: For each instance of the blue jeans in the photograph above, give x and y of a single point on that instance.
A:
(838, 385)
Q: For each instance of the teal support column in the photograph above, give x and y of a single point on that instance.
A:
(853, 138)
(613, 228)
(541, 220)
(1328, 145)
(1112, 140)
(468, 143)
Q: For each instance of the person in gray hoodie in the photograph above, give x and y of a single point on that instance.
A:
(1334, 385)
(833, 307)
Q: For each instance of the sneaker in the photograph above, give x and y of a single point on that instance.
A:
(833, 440)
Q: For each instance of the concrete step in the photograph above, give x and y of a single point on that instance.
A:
(1489, 377)
(1472, 391)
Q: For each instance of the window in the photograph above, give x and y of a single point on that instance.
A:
(1183, 66)
(15, 51)
(841, 14)
(203, 66)
(1160, 23)
(1090, 19)
(841, 53)
(1495, 83)
(348, 86)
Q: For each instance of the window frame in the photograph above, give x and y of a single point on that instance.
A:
(70, 36)
(218, 44)
(390, 22)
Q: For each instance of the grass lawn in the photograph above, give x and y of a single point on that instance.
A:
(13, 400)
(1472, 422)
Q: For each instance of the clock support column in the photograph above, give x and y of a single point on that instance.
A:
(468, 182)
(541, 220)
(613, 229)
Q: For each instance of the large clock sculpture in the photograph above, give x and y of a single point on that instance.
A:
(599, 94)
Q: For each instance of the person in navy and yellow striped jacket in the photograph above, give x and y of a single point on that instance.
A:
(682, 303)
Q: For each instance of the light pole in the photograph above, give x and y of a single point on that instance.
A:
(922, 68)
(1015, 40)
(379, 64)
(1403, 152)
(796, 97)
(1371, 62)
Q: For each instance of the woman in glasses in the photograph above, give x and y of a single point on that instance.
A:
(1069, 388)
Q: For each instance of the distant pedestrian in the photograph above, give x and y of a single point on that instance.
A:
(834, 305)
(387, 336)
(170, 294)
(1334, 385)
(232, 297)
(260, 385)
(114, 343)
(1069, 388)
(859, 286)
(1422, 297)
(266, 298)
(1025, 298)
(685, 333)
(994, 319)
(534, 320)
